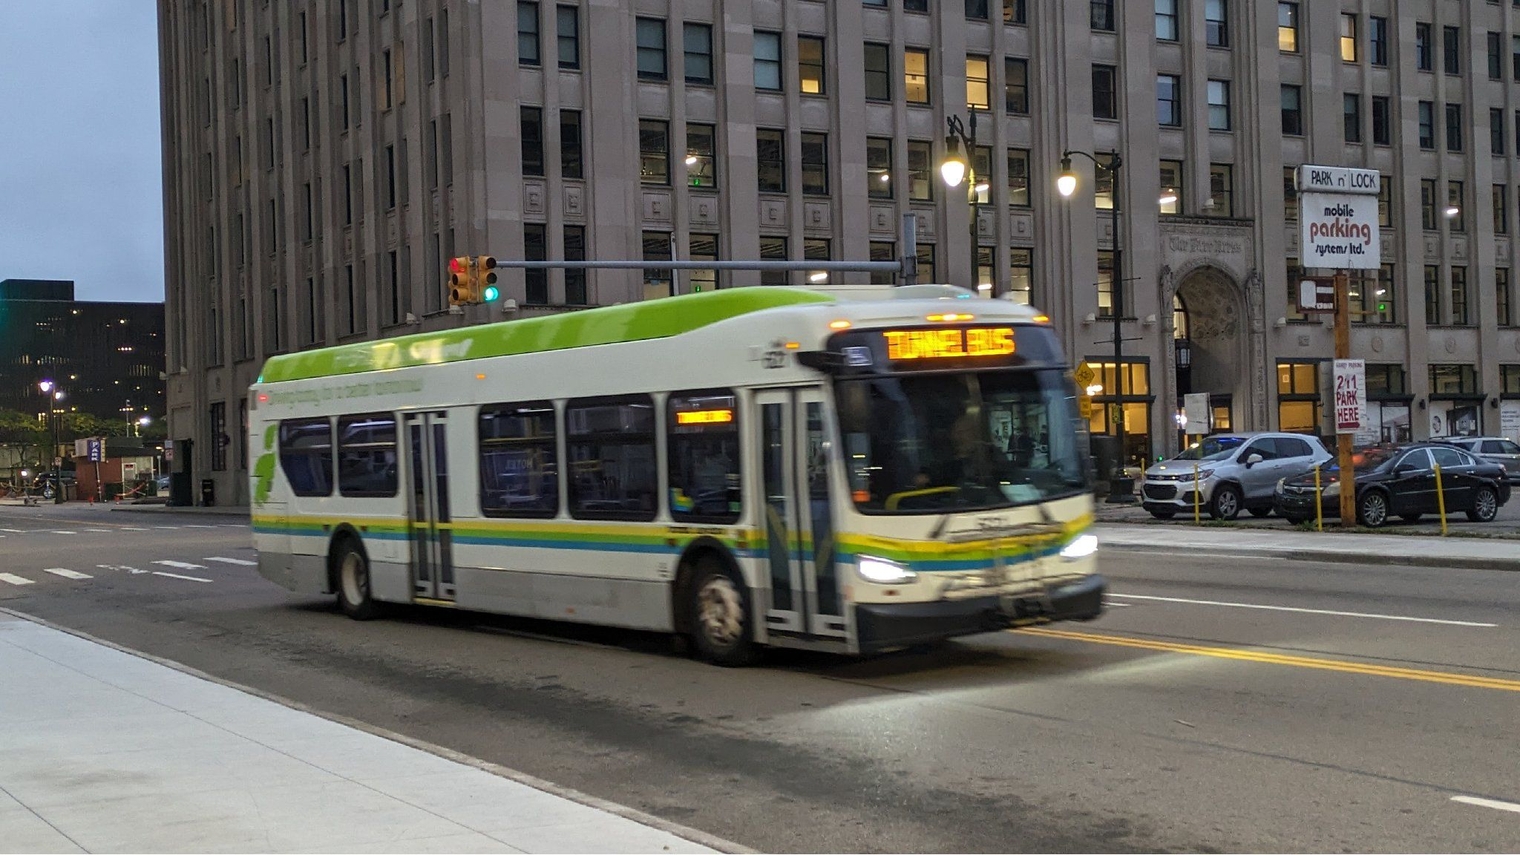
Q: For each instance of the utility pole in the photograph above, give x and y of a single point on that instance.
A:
(1343, 440)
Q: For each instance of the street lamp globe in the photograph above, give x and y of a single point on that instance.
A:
(953, 170)
(144, 420)
(45, 386)
(1066, 184)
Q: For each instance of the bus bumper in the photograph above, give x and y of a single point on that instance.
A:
(882, 626)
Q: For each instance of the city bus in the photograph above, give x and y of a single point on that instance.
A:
(745, 467)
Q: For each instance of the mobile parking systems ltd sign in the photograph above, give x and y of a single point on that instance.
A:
(1338, 217)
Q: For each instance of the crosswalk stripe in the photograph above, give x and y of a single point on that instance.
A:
(177, 576)
(66, 573)
(241, 561)
(181, 565)
(15, 580)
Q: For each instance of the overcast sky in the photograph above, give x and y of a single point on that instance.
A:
(81, 194)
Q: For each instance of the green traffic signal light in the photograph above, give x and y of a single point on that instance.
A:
(491, 293)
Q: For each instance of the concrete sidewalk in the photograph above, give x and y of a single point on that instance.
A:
(104, 750)
(1332, 546)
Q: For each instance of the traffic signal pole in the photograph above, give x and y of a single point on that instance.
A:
(1343, 440)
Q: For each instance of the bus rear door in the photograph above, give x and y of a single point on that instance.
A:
(429, 520)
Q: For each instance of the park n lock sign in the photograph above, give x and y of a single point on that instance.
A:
(1338, 217)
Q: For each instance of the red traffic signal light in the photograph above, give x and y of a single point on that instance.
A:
(462, 281)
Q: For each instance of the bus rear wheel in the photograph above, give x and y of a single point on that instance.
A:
(718, 613)
(353, 582)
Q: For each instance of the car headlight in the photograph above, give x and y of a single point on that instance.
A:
(1331, 490)
(1203, 475)
(1280, 483)
(883, 572)
(1081, 547)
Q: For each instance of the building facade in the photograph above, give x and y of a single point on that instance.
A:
(106, 358)
(324, 158)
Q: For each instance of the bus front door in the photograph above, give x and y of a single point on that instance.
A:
(800, 555)
(430, 523)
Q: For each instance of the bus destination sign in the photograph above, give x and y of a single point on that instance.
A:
(954, 343)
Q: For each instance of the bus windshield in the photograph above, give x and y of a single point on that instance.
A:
(978, 440)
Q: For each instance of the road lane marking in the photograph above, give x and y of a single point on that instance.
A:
(1488, 803)
(15, 580)
(240, 561)
(177, 576)
(181, 565)
(133, 528)
(60, 531)
(66, 573)
(1265, 658)
(14, 530)
(198, 525)
(165, 527)
(99, 530)
(1305, 611)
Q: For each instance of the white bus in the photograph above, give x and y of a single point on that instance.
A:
(751, 466)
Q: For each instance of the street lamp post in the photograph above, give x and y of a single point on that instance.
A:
(1121, 486)
(54, 394)
(958, 167)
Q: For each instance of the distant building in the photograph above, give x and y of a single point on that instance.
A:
(107, 358)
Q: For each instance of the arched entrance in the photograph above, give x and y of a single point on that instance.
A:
(1209, 341)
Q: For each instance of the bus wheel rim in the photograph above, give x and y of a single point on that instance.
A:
(354, 583)
(720, 611)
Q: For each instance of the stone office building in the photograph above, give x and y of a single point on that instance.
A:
(323, 159)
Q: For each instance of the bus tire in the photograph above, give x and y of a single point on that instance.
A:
(352, 571)
(718, 615)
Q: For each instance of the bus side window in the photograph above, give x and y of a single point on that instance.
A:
(611, 451)
(306, 456)
(367, 455)
(702, 434)
(519, 463)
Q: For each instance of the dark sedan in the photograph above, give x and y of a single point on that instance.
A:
(1401, 482)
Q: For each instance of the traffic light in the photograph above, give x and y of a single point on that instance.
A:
(472, 280)
(485, 279)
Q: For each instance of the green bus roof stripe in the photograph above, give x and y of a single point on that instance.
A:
(606, 325)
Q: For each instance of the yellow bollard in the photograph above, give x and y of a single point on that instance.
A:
(1197, 492)
(1319, 504)
(1440, 499)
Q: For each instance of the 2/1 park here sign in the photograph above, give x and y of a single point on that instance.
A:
(1338, 217)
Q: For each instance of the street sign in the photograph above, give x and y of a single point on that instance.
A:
(1338, 179)
(1085, 407)
(1084, 375)
(1339, 231)
(1350, 395)
(1316, 294)
(96, 449)
(1195, 407)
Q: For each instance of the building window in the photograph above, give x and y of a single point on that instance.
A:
(916, 75)
(1372, 295)
(1170, 201)
(568, 33)
(1382, 133)
(770, 154)
(1501, 209)
(1101, 15)
(1456, 211)
(1018, 177)
(1495, 131)
(1432, 295)
(981, 172)
(816, 249)
(701, 155)
(610, 445)
(1295, 275)
(571, 159)
(654, 151)
(1013, 12)
(698, 40)
(1451, 54)
(1503, 304)
(1287, 27)
(815, 164)
(1105, 92)
(773, 249)
(703, 248)
(810, 65)
(1222, 189)
(219, 437)
(1298, 399)
(1385, 204)
(879, 167)
(1348, 37)
(1459, 297)
(535, 248)
(768, 61)
(1514, 57)
(1509, 379)
(878, 59)
(659, 282)
(1105, 284)
(1424, 50)
(883, 251)
(1016, 85)
(1351, 115)
(1453, 127)
(920, 160)
(1103, 182)
(1377, 39)
(532, 137)
(1168, 100)
(1292, 110)
(575, 278)
(1166, 20)
(390, 177)
(527, 33)
(924, 263)
(1021, 276)
(1216, 23)
(1219, 105)
(977, 83)
(1428, 219)
(1453, 380)
(915, 5)
(976, 10)
(651, 48)
(1427, 116)
(1495, 56)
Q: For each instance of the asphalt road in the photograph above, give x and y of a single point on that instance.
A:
(1271, 706)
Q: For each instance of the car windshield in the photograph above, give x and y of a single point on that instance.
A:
(973, 440)
(1368, 459)
(1212, 448)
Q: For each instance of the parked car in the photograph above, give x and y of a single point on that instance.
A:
(1401, 482)
(1497, 449)
(1235, 471)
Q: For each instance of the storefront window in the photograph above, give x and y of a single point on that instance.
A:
(1298, 397)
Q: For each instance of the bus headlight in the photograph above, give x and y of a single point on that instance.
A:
(1082, 547)
(882, 571)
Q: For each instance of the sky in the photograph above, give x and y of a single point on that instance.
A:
(81, 189)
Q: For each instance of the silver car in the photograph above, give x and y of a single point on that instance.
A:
(1505, 452)
(1235, 471)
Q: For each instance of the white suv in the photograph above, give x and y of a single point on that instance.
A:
(1235, 471)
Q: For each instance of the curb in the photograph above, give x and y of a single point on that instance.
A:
(701, 838)
(1328, 556)
(169, 509)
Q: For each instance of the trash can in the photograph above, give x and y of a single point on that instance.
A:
(208, 493)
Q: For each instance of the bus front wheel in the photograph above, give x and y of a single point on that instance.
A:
(353, 582)
(718, 612)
